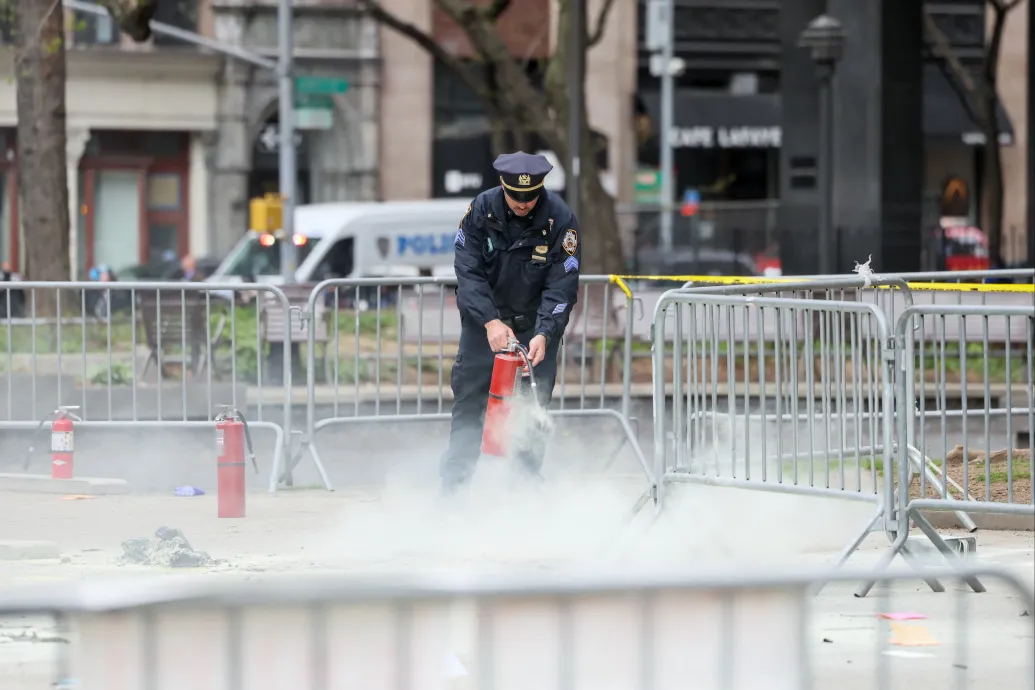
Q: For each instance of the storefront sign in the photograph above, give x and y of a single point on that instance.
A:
(457, 181)
(727, 137)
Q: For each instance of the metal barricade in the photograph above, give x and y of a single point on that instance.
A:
(729, 632)
(142, 356)
(388, 346)
(946, 398)
(778, 394)
(987, 481)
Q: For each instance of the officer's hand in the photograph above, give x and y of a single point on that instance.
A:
(499, 335)
(537, 350)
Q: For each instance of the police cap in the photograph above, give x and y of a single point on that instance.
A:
(522, 174)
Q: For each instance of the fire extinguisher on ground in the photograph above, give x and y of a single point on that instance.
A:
(62, 442)
(233, 440)
(508, 368)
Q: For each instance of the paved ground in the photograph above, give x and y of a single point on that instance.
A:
(399, 526)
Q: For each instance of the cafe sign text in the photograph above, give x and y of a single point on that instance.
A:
(726, 137)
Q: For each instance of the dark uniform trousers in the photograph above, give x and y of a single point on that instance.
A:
(471, 378)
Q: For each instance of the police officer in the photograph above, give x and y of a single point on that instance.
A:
(517, 255)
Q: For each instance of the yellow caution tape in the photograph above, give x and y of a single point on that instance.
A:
(1024, 288)
(1028, 288)
(617, 280)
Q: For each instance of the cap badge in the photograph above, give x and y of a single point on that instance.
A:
(525, 180)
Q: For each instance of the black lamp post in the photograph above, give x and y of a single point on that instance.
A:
(825, 40)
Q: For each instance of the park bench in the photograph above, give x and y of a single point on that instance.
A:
(279, 332)
(178, 329)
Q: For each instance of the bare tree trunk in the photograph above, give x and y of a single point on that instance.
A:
(42, 170)
(602, 253)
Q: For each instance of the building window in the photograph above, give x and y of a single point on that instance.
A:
(457, 106)
(183, 14)
(163, 192)
(91, 29)
(116, 231)
(8, 23)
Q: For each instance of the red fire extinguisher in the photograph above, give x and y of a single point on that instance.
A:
(232, 441)
(62, 435)
(508, 368)
(62, 444)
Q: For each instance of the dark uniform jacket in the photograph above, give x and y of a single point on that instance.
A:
(532, 280)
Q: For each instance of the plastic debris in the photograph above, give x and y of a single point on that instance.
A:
(902, 616)
(864, 271)
(189, 491)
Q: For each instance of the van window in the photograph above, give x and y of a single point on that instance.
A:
(254, 259)
(338, 262)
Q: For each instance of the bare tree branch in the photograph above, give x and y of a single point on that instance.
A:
(601, 25)
(517, 93)
(1004, 7)
(498, 7)
(133, 17)
(422, 39)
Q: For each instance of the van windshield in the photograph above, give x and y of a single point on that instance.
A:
(253, 258)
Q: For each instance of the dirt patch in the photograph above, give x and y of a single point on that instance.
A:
(996, 470)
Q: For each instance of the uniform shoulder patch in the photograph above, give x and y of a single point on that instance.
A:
(468, 211)
(570, 242)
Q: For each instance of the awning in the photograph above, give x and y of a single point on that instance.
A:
(945, 116)
(721, 120)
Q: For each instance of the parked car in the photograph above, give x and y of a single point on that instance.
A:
(12, 299)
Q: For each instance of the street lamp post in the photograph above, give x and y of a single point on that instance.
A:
(286, 152)
(824, 38)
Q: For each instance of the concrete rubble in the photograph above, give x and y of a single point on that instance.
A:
(167, 549)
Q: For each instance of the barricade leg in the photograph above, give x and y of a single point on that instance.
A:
(928, 529)
(921, 464)
(898, 549)
(847, 552)
(285, 476)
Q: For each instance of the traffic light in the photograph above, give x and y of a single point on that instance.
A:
(266, 213)
(135, 21)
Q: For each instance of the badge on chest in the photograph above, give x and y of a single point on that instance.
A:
(539, 257)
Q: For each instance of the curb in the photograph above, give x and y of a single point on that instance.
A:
(28, 550)
(43, 484)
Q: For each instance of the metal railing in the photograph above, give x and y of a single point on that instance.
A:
(1011, 470)
(778, 394)
(797, 387)
(721, 632)
(391, 363)
(140, 355)
(153, 355)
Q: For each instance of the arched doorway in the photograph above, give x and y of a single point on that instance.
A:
(265, 173)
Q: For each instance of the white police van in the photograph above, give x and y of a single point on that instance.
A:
(354, 240)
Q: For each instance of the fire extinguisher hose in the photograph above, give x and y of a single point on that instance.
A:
(36, 437)
(515, 346)
(248, 441)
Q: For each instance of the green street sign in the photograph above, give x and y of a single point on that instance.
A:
(647, 186)
(326, 86)
(313, 101)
